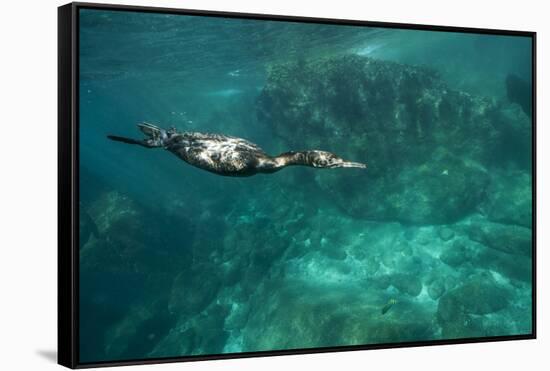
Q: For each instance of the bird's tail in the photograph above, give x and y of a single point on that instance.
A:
(155, 136)
(125, 140)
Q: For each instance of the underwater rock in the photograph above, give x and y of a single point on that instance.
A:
(403, 248)
(446, 233)
(200, 334)
(450, 283)
(454, 255)
(87, 227)
(464, 326)
(371, 265)
(407, 284)
(125, 330)
(400, 257)
(115, 269)
(442, 190)
(423, 240)
(236, 319)
(510, 199)
(514, 267)
(383, 281)
(113, 210)
(514, 147)
(126, 270)
(130, 229)
(323, 316)
(436, 289)
(519, 91)
(120, 222)
(426, 145)
(192, 293)
(480, 295)
(333, 251)
(211, 336)
(231, 272)
(138, 332)
(175, 344)
(410, 233)
(508, 238)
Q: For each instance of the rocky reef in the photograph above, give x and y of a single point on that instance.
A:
(122, 265)
(460, 310)
(431, 151)
(431, 241)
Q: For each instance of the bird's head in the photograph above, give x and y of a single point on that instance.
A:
(155, 136)
(323, 159)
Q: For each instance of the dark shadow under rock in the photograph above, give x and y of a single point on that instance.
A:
(510, 199)
(458, 308)
(511, 239)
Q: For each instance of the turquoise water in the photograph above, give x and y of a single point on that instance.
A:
(432, 241)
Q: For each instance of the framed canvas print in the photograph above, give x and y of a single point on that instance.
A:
(236, 185)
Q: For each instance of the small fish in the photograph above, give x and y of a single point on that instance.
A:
(388, 305)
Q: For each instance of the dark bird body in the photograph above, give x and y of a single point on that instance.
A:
(227, 155)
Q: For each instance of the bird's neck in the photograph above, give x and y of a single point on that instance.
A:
(293, 158)
(273, 164)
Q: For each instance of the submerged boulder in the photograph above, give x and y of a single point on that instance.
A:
(192, 292)
(436, 289)
(479, 295)
(458, 308)
(442, 190)
(123, 311)
(455, 254)
(407, 284)
(511, 239)
(323, 316)
(200, 334)
(116, 211)
(514, 267)
(519, 91)
(446, 233)
(510, 199)
(427, 147)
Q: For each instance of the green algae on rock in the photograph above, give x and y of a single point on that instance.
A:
(509, 199)
(480, 295)
(511, 239)
(426, 145)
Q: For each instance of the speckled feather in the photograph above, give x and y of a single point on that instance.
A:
(220, 154)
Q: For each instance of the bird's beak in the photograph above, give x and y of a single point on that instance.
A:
(353, 164)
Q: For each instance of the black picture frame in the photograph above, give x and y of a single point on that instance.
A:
(68, 182)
